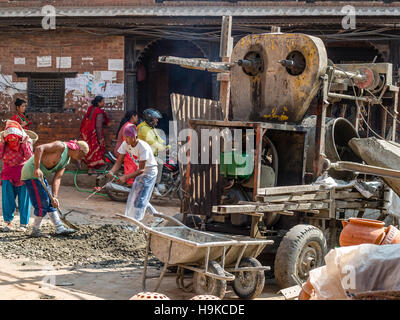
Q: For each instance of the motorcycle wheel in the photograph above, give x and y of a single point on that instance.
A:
(117, 196)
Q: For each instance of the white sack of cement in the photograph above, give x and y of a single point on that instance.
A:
(392, 203)
(328, 182)
(366, 188)
(356, 269)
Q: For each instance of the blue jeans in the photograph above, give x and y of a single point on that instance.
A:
(39, 197)
(9, 192)
(140, 195)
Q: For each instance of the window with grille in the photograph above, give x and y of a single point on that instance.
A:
(46, 93)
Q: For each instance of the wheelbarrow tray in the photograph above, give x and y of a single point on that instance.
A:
(191, 246)
(193, 249)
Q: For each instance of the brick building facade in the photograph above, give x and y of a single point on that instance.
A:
(84, 67)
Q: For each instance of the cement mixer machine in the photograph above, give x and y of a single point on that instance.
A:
(282, 88)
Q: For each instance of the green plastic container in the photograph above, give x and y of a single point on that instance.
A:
(236, 165)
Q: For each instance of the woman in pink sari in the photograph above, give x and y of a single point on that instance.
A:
(92, 133)
(130, 117)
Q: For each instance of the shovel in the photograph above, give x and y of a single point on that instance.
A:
(62, 215)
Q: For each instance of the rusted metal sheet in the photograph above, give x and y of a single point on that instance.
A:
(287, 78)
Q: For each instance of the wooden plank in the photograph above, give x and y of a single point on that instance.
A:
(357, 204)
(196, 63)
(287, 213)
(291, 197)
(215, 209)
(290, 189)
(349, 195)
(269, 208)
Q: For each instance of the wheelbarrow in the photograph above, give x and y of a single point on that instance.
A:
(215, 259)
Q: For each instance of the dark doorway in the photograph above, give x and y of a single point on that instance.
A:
(156, 81)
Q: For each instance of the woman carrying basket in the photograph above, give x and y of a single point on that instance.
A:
(15, 150)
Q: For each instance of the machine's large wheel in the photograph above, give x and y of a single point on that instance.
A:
(303, 248)
(249, 284)
(206, 285)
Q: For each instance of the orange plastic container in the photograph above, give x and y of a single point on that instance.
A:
(307, 290)
(358, 231)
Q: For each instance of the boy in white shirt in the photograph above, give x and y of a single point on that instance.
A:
(145, 176)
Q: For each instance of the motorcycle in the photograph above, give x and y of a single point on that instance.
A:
(170, 179)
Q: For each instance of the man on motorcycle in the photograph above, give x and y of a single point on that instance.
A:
(147, 132)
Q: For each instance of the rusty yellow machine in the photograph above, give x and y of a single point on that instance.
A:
(282, 89)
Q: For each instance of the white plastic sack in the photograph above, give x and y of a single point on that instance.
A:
(392, 203)
(357, 269)
(329, 182)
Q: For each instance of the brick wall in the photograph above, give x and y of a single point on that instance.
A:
(89, 54)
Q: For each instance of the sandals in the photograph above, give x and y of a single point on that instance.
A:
(21, 228)
(8, 228)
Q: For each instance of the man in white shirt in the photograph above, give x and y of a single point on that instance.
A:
(145, 176)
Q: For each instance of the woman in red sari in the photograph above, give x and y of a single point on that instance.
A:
(20, 117)
(91, 130)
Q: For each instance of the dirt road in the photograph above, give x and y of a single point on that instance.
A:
(101, 261)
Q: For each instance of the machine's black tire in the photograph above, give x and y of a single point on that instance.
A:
(205, 285)
(301, 240)
(256, 280)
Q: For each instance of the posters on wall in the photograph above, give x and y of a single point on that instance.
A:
(19, 60)
(44, 61)
(115, 64)
(95, 84)
(78, 85)
(63, 62)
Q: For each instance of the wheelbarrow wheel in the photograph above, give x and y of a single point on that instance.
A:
(249, 284)
(205, 285)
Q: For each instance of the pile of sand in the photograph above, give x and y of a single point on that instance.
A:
(94, 246)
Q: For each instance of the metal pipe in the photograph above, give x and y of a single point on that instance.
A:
(362, 168)
(349, 74)
(345, 96)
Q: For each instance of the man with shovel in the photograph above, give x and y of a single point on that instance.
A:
(145, 176)
(49, 158)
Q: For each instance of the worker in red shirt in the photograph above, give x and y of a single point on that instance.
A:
(20, 117)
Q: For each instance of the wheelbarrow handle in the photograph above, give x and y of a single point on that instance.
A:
(172, 219)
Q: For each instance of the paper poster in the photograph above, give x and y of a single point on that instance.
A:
(78, 85)
(7, 78)
(19, 60)
(114, 90)
(98, 88)
(44, 61)
(20, 86)
(63, 62)
(116, 64)
(108, 75)
(101, 76)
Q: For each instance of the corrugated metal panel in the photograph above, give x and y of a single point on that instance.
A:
(204, 181)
